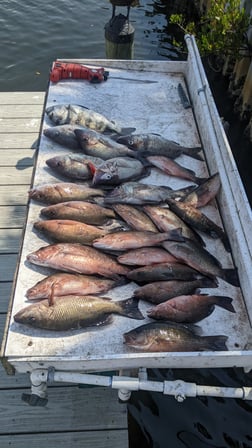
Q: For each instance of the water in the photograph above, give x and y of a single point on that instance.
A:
(32, 36)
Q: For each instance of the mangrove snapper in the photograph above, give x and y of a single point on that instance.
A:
(77, 258)
(189, 308)
(82, 211)
(53, 193)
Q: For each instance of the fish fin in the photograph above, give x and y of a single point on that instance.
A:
(209, 283)
(126, 131)
(216, 342)
(51, 297)
(130, 308)
(200, 180)
(226, 303)
(194, 153)
(102, 320)
(231, 276)
(176, 235)
(92, 168)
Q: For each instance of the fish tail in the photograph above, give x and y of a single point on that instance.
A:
(175, 235)
(226, 303)
(200, 180)
(129, 308)
(194, 153)
(231, 276)
(216, 342)
(126, 131)
(209, 283)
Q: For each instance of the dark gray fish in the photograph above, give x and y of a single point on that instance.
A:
(73, 166)
(200, 259)
(162, 271)
(75, 312)
(99, 145)
(117, 170)
(75, 114)
(63, 135)
(198, 220)
(189, 308)
(158, 292)
(138, 194)
(155, 144)
(172, 337)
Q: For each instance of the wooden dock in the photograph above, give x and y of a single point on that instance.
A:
(74, 417)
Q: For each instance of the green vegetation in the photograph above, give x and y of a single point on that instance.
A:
(221, 31)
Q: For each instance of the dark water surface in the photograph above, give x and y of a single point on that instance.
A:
(32, 35)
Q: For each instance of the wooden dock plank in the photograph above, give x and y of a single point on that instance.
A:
(19, 125)
(10, 240)
(19, 158)
(78, 439)
(8, 266)
(18, 141)
(14, 176)
(14, 196)
(79, 410)
(19, 111)
(12, 217)
(22, 98)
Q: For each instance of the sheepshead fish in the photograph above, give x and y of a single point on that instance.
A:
(53, 193)
(155, 144)
(117, 170)
(82, 211)
(162, 271)
(77, 258)
(64, 284)
(198, 220)
(165, 220)
(173, 168)
(145, 256)
(200, 259)
(99, 145)
(63, 135)
(158, 292)
(73, 166)
(189, 308)
(172, 337)
(135, 218)
(204, 193)
(75, 312)
(80, 115)
(69, 231)
(132, 239)
(137, 194)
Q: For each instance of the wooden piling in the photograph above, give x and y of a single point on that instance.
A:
(119, 33)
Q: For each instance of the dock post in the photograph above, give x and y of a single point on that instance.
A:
(119, 33)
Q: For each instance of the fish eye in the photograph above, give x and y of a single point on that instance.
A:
(108, 176)
(32, 319)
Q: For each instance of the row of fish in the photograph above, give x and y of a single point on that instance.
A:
(133, 232)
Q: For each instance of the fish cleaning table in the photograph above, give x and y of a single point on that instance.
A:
(128, 98)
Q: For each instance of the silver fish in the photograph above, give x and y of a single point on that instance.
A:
(63, 135)
(80, 115)
(155, 144)
(117, 170)
(99, 145)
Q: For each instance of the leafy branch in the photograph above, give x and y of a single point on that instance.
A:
(221, 31)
